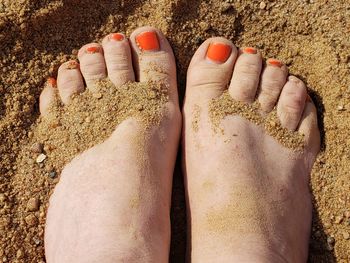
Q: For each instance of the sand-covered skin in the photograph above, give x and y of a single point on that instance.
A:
(225, 105)
(311, 37)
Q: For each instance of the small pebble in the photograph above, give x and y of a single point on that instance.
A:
(41, 158)
(37, 147)
(19, 254)
(31, 220)
(340, 108)
(347, 214)
(2, 198)
(36, 241)
(139, 107)
(346, 235)
(329, 247)
(52, 174)
(330, 240)
(88, 119)
(33, 204)
(225, 7)
(262, 5)
(97, 95)
(273, 124)
(338, 219)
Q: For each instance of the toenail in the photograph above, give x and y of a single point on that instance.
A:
(274, 62)
(51, 82)
(250, 50)
(72, 65)
(147, 41)
(117, 36)
(219, 52)
(293, 79)
(92, 50)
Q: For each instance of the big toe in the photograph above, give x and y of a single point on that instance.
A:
(291, 104)
(210, 70)
(153, 58)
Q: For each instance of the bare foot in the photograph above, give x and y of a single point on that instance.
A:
(248, 197)
(109, 206)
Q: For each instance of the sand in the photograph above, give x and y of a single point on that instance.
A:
(311, 37)
(225, 105)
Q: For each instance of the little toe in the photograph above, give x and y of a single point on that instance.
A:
(210, 69)
(309, 127)
(246, 75)
(118, 59)
(69, 80)
(291, 104)
(273, 78)
(92, 63)
(47, 96)
(153, 58)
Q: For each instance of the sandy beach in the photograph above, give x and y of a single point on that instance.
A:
(310, 37)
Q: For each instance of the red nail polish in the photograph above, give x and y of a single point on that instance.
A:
(92, 50)
(250, 50)
(148, 41)
(219, 52)
(117, 36)
(274, 62)
(51, 82)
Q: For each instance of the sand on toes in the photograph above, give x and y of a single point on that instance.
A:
(250, 140)
(115, 140)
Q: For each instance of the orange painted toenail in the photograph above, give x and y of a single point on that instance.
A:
(117, 36)
(92, 50)
(147, 41)
(72, 65)
(250, 50)
(51, 82)
(274, 62)
(219, 52)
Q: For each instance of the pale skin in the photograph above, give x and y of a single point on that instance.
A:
(247, 198)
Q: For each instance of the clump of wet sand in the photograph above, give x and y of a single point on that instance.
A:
(225, 105)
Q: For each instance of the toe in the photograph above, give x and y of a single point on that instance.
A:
(47, 96)
(272, 81)
(69, 80)
(117, 55)
(153, 58)
(92, 63)
(291, 103)
(309, 127)
(246, 75)
(210, 69)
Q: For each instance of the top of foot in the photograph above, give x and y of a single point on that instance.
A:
(248, 194)
(112, 202)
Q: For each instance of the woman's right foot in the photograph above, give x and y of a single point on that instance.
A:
(112, 203)
(248, 196)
